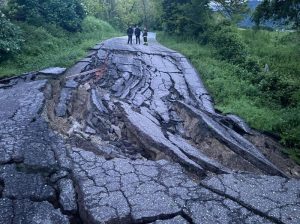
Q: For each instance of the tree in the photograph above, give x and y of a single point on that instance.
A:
(145, 12)
(94, 8)
(185, 16)
(68, 13)
(111, 11)
(234, 9)
(128, 11)
(194, 16)
(155, 12)
(282, 11)
(10, 37)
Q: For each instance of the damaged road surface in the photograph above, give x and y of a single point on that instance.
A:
(137, 140)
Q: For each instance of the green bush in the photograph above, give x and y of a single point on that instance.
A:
(228, 44)
(251, 65)
(278, 89)
(68, 13)
(289, 127)
(10, 38)
(91, 25)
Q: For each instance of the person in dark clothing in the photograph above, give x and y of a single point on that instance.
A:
(129, 33)
(137, 33)
(145, 36)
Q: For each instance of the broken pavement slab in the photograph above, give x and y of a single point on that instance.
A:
(229, 137)
(153, 138)
(124, 191)
(274, 197)
(55, 71)
(30, 152)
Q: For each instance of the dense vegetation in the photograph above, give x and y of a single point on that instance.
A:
(36, 34)
(10, 37)
(253, 73)
(54, 46)
(67, 14)
(282, 11)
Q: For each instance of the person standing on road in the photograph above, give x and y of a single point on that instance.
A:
(137, 33)
(129, 33)
(145, 36)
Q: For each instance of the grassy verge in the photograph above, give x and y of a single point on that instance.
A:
(239, 91)
(52, 46)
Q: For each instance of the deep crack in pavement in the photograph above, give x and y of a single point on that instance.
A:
(135, 141)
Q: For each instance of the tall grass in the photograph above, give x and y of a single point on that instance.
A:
(235, 89)
(280, 50)
(53, 46)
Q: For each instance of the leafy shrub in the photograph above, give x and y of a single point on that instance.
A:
(91, 25)
(68, 13)
(10, 38)
(278, 89)
(228, 44)
(290, 127)
(251, 65)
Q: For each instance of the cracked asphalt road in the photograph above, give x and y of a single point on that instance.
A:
(137, 141)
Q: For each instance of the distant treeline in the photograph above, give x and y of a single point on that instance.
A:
(183, 17)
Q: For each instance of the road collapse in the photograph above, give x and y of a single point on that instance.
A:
(129, 134)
